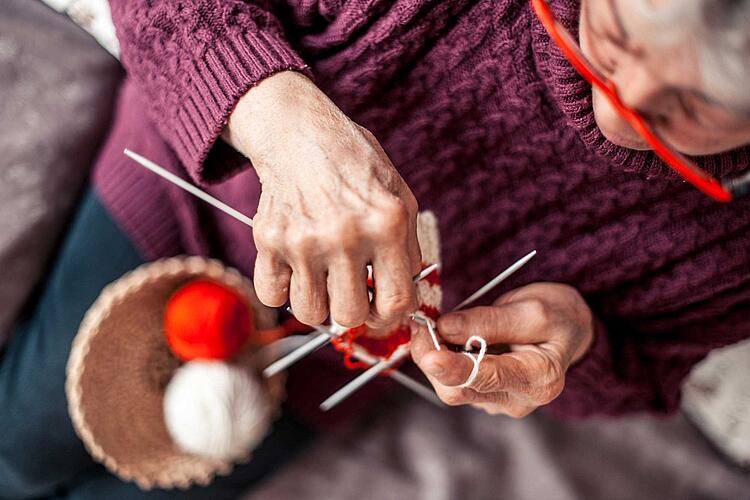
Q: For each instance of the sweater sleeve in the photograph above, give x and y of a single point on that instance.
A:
(641, 367)
(192, 60)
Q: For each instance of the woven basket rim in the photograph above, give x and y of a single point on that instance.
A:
(109, 298)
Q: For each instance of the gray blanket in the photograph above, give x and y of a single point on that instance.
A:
(420, 452)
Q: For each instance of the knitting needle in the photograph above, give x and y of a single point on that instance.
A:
(403, 379)
(496, 280)
(311, 346)
(373, 371)
(368, 375)
(320, 340)
(161, 171)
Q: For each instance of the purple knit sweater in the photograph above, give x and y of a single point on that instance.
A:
(493, 131)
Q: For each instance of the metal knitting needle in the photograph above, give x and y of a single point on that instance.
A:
(308, 348)
(417, 388)
(368, 375)
(363, 355)
(496, 280)
(405, 380)
(322, 339)
(161, 171)
(372, 372)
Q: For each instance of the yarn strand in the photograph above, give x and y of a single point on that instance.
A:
(477, 360)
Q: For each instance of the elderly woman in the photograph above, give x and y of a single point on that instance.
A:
(354, 113)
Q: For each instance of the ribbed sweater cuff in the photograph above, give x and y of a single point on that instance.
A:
(224, 73)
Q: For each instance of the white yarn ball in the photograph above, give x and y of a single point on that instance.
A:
(216, 410)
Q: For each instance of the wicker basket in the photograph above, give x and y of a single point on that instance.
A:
(119, 367)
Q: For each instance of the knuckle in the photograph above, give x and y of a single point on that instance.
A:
(392, 217)
(269, 236)
(308, 308)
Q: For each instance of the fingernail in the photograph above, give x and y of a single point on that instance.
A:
(451, 324)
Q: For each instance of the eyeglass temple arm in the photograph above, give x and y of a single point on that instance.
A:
(739, 186)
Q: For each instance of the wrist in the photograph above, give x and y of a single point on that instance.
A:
(270, 112)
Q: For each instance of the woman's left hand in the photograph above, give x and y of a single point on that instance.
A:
(547, 327)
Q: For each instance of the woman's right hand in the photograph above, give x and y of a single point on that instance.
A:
(331, 203)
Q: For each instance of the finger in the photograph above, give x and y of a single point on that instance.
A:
(347, 292)
(520, 322)
(271, 279)
(422, 350)
(308, 295)
(394, 290)
(447, 367)
(428, 359)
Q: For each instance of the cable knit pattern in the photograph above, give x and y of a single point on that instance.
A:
(494, 132)
(193, 60)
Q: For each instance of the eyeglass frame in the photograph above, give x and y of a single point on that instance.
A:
(725, 190)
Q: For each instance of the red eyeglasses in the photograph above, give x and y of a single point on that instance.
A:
(725, 190)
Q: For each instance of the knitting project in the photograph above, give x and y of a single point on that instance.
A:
(382, 344)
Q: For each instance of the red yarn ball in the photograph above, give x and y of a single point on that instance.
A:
(207, 320)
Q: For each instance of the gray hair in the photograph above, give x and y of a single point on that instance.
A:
(721, 31)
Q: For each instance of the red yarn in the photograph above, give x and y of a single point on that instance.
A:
(207, 320)
(381, 346)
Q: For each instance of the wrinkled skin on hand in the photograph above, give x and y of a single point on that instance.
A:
(547, 327)
(331, 203)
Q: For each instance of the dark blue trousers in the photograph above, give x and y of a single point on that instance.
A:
(40, 454)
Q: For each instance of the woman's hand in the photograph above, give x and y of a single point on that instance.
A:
(547, 327)
(331, 204)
